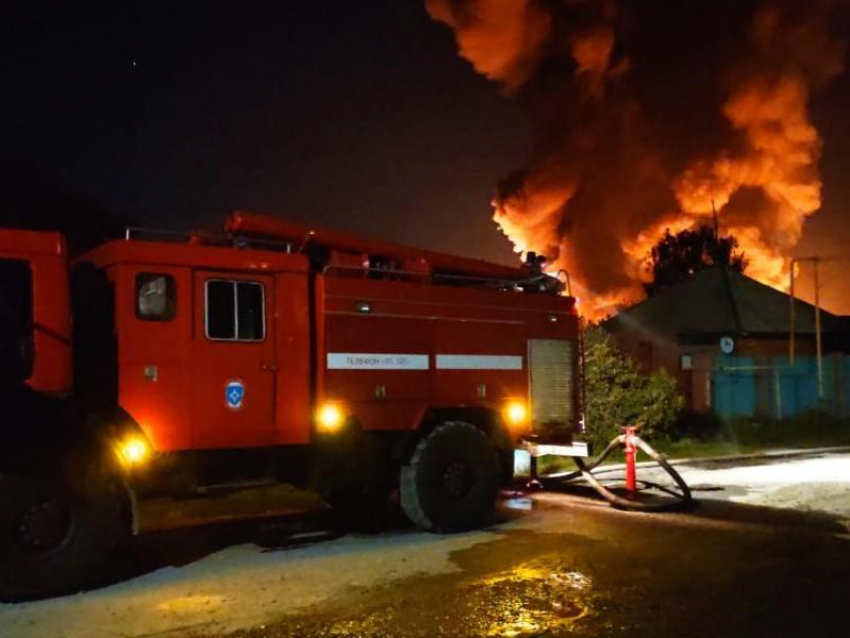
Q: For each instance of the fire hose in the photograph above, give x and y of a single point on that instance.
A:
(634, 497)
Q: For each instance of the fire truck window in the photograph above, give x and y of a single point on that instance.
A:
(235, 311)
(155, 297)
(251, 316)
(221, 309)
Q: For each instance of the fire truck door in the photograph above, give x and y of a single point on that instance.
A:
(233, 385)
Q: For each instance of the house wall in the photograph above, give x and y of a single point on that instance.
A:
(756, 379)
(654, 353)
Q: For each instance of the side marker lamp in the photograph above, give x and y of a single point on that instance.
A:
(516, 413)
(329, 418)
(133, 451)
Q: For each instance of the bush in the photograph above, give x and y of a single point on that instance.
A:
(617, 394)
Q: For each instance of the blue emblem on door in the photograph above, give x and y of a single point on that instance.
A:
(234, 394)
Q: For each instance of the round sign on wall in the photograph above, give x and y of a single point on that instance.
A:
(727, 345)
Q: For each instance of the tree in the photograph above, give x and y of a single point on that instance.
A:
(617, 394)
(676, 257)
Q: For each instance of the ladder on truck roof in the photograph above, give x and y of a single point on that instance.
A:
(351, 254)
(212, 239)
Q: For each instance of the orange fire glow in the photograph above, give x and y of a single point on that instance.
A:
(502, 38)
(780, 160)
(598, 193)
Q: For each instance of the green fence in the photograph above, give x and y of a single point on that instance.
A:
(744, 386)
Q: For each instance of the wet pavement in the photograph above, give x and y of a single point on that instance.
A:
(555, 564)
(576, 567)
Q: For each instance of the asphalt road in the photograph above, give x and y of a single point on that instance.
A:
(555, 564)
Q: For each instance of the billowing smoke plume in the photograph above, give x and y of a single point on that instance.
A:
(608, 176)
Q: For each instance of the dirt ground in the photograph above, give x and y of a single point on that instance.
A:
(555, 564)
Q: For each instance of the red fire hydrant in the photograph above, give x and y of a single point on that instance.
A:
(631, 454)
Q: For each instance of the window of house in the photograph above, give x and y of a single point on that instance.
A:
(156, 297)
(235, 310)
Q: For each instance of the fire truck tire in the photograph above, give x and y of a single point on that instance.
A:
(55, 539)
(452, 480)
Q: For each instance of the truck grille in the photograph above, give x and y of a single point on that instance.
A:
(552, 373)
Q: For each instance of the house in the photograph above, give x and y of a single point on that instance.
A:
(725, 337)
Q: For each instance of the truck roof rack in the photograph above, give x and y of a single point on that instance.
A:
(352, 255)
(206, 238)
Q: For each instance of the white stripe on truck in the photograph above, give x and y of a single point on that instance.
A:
(478, 362)
(393, 361)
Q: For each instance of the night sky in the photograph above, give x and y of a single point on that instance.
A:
(358, 115)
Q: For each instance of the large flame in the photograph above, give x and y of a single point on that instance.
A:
(780, 159)
(600, 190)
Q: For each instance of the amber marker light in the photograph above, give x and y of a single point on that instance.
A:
(133, 451)
(516, 413)
(329, 417)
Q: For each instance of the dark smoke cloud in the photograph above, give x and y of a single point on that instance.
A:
(645, 112)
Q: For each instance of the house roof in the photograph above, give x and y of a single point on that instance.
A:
(719, 301)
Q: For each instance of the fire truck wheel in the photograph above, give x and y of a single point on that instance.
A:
(452, 479)
(55, 539)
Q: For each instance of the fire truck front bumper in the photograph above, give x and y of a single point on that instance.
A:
(527, 452)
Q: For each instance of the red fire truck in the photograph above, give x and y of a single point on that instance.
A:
(165, 365)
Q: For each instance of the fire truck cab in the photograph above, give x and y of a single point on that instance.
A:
(162, 365)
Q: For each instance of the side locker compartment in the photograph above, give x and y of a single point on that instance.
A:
(153, 320)
(480, 362)
(375, 352)
(292, 359)
(552, 382)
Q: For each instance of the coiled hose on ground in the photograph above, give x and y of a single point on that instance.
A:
(675, 499)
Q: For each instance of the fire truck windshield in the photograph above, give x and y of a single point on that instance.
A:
(15, 319)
